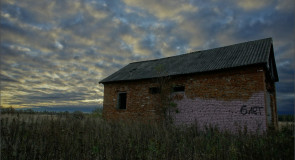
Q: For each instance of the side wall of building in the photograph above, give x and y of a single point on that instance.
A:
(140, 104)
(229, 99)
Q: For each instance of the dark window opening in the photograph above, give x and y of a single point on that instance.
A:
(154, 90)
(122, 100)
(178, 89)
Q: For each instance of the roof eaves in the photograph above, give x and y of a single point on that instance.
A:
(179, 74)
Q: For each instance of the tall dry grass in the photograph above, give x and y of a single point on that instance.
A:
(68, 137)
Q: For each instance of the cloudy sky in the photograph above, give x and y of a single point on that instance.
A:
(54, 52)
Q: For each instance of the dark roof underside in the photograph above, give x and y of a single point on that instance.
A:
(242, 54)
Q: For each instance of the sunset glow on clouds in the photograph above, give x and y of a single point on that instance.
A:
(54, 52)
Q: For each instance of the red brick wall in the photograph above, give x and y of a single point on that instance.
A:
(221, 98)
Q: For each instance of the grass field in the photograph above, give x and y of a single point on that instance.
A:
(70, 136)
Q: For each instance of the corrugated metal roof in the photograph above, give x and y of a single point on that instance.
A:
(242, 54)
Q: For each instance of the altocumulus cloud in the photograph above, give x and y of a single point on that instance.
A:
(53, 52)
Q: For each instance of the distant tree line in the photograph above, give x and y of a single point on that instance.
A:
(286, 118)
(97, 112)
(11, 110)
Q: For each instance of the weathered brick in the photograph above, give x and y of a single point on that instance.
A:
(213, 97)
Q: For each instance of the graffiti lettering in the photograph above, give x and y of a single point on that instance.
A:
(243, 110)
(253, 110)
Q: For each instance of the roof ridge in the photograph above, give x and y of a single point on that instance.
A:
(193, 52)
(164, 57)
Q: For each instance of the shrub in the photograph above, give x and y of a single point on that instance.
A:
(97, 112)
(78, 115)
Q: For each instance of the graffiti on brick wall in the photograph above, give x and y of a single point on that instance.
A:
(250, 110)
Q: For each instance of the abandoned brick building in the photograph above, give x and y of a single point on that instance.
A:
(228, 87)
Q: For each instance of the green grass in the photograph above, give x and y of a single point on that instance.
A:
(34, 136)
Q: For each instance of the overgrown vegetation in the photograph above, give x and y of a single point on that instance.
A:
(35, 136)
(166, 103)
(286, 118)
(97, 112)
